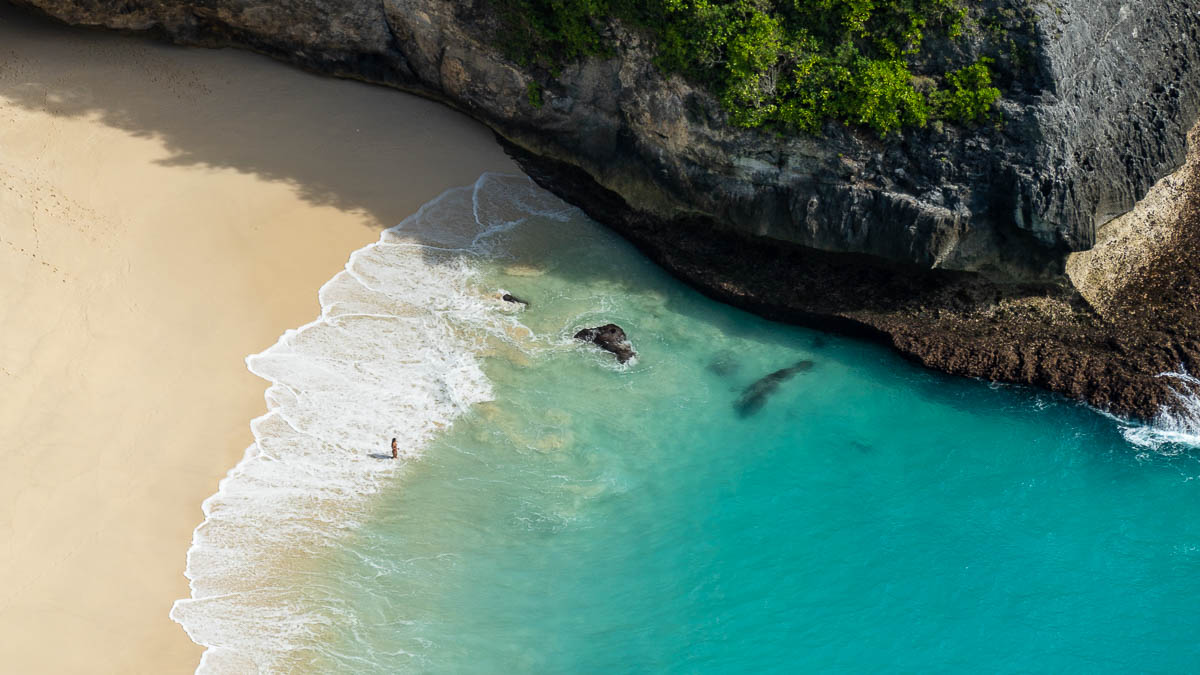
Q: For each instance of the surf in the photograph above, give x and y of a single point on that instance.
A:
(394, 353)
(742, 495)
(1176, 428)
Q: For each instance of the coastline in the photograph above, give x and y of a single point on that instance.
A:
(395, 352)
(179, 196)
(635, 151)
(164, 212)
(1105, 335)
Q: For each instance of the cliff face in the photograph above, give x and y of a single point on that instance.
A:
(1132, 315)
(1099, 97)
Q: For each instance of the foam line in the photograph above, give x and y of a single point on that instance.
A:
(392, 354)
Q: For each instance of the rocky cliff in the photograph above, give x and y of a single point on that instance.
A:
(1099, 95)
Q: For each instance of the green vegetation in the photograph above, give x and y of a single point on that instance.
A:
(971, 94)
(783, 64)
(534, 92)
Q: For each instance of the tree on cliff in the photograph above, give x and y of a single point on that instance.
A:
(789, 65)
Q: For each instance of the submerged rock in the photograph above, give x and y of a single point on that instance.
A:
(610, 338)
(755, 396)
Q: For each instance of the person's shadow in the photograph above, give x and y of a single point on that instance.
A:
(379, 455)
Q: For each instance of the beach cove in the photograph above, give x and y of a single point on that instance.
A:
(163, 213)
(743, 496)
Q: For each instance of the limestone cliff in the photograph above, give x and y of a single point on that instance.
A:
(1099, 96)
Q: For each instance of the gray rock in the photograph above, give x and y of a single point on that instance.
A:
(510, 298)
(1099, 96)
(610, 338)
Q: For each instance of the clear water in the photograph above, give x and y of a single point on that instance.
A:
(597, 518)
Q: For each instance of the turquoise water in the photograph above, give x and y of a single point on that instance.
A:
(871, 516)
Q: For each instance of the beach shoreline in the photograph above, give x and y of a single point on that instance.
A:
(164, 212)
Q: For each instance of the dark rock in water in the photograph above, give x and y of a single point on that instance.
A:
(610, 338)
(509, 297)
(755, 396)
(724, 364)
(819, 341)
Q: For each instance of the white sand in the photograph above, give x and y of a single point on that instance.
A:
(163, 213)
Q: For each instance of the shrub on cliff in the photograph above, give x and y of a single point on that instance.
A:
(785, 64)
(971, 95)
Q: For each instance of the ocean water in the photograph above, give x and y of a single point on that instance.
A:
(555, 512)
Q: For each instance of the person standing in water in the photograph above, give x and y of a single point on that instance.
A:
(395, 450)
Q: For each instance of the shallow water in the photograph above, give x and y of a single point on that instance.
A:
(556, 512)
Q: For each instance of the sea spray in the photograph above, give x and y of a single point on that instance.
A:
(393, 354)
(1177, 427)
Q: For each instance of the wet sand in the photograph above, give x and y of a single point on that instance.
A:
(163, 213)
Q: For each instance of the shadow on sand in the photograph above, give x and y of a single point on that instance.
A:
(347, 145)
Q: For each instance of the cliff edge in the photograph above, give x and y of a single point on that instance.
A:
(951, 243)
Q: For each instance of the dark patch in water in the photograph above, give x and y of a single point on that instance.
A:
(755, 396)
(861, 447)
(724, 363)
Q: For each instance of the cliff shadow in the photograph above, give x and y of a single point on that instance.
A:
(347, 145)
(343, 144)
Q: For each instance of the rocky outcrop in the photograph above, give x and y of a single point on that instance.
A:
(1107, 346)
(844, 231)
(1099, 95)
(514, 300)
(611, 338)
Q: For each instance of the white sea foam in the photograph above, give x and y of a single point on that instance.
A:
(393, 354)
(1176, 428)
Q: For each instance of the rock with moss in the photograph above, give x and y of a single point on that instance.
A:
(789, 66)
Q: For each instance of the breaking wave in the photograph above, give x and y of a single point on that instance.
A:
(1176, 428)
(394, 353)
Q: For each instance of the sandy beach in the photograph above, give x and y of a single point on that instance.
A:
(164, 212)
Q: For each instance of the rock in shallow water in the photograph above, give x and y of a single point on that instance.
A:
(610, 338)
(509, 297)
